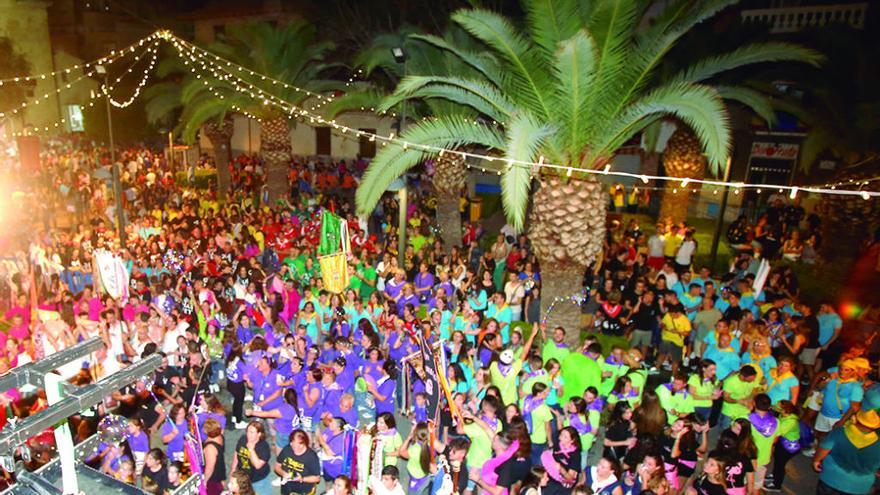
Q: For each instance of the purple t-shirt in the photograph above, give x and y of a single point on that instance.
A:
(202, 417)
(333, 466)
(385, 389)
(139, 443)
(404, 300)
(288, 421)
(265, 386)
(175, 446)
(393, 288)
(424, 281)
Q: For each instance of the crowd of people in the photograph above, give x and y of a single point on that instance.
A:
(705, 383)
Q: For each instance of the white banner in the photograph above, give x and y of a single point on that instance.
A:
(114, 276)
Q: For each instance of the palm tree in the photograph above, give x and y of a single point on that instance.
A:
(165, 106)
(423, 58)
(291, 58)
(571, 86)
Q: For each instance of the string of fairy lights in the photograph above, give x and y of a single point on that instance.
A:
(225, 74)
(105, 90)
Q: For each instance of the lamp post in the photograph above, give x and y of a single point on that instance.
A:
(400, 57)
(720, 222)
(114, 167)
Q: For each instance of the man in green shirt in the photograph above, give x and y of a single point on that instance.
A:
(675, 399)
(366, 273)
(555, 347)
(739, 390)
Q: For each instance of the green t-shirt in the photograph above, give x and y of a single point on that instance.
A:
(764, 444)
(417, 241)
(681, 402)
(540, 417)
(737, 389)
(638, 377)
(481, 444)
(413, 465)
(367, 289)
(389, 448)
(506, 383)
(703, 389)
(551, 350)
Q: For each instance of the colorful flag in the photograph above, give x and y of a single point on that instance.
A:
(331, 233)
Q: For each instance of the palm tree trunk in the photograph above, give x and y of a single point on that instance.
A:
(567, 231)
(275, 148)
(450, 173)
(220, 135)
(449, 221)
(683, 158)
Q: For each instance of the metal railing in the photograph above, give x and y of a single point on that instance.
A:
(791, 19)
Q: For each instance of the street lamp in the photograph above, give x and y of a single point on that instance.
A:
(114, 167)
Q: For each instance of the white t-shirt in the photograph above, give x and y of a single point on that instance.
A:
(685, 252)
(656, 243)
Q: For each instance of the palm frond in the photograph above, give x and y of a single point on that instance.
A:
(477, 61)
(392, 161)
(483, 97)
(611, 26)
(754, 53)
(754, 100)
(199, 110)
(699, 106)
(354, 101)
(575, 64)
(552, 22)
(525, 135)
(162, 101)
(528, 74)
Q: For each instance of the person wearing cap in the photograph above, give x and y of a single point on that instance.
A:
(848, 458)
(505, 371)
(675, 327)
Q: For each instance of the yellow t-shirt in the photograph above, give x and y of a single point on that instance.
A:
(675, 329)
(672, 243)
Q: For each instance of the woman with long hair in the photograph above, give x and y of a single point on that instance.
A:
(535, 481)
(704, 388)
(650, 417)
(235, 375)
(252, 455)
(286, 418)
(603, 478)
(712, 481)
(739, 469)
(620, 433)
(240, 484)
(416, 450)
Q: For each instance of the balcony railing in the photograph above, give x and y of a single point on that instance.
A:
(790, 19)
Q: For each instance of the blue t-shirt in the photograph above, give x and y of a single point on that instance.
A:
(828, 323)
(726, 362)
(781, 390)
(847, 468)
(871, 400)
(837, 397)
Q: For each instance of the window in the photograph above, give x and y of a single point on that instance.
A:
(322, 141)
(368, 147)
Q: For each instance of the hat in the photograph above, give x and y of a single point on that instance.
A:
(856, 363)
(506, 356)
(869, 419)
